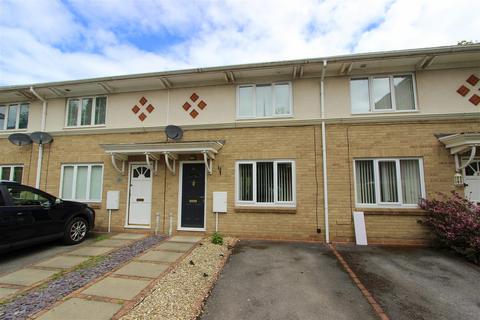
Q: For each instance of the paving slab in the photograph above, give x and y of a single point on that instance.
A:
(111, 243)
(160, 256)
(27, 276)
(82, 310)
(191, 239)
(174, 246)
(117, 288)
(129, 236)
(142, 269)
(6, 292)
(62, 262)
(91, 251)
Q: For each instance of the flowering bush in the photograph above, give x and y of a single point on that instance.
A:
(455, 221)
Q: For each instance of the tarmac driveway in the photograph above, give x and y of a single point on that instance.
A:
(417, 283)
(280, 280)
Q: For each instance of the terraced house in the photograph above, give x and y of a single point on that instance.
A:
(297, 146)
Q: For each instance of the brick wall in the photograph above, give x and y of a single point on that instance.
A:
(345, 142)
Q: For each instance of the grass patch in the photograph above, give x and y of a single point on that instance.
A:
(102, 237)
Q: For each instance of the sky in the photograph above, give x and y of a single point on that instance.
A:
(56, 40)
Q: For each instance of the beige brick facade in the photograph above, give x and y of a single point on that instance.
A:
(345, 142)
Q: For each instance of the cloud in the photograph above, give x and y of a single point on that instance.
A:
(59, 40)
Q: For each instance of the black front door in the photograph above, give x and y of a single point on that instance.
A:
(193, 195)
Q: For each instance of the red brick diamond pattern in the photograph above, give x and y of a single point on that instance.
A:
(464, 89)
(192, 103)
(475, 99)
(138, 107)
(150, 108)
(194, 113)
(202, 104)
(194, 97)
(135, 109)
(473, 80)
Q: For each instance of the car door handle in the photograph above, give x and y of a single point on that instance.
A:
(21, 213)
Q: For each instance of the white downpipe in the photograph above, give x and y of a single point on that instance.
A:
(170, 224)
(40, 147)
(324, 153)
(157, 223)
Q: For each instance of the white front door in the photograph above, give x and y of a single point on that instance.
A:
(140, 202)
(472, 181)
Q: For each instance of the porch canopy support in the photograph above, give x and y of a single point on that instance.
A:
(170, 151)
(461, 143)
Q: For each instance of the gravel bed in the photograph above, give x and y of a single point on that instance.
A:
(181, 292)
(43, 297)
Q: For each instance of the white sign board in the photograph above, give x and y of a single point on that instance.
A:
(219, 202)
(360, 229)
(113, 200)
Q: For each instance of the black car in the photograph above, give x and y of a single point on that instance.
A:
(29, 215)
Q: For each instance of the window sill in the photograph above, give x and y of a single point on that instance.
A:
(289, 116)
(85, 127)
(384, 112)
(392, 211)
(94, 205)
(256, 209)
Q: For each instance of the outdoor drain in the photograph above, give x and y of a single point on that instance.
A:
(41, 298)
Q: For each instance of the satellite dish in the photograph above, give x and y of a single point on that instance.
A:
(174, 132)
(41, 137)
(20, 139)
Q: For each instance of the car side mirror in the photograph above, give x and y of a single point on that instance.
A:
(58, 201)
(46, 205)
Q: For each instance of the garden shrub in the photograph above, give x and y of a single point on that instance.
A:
(455, 222)
(217, 238)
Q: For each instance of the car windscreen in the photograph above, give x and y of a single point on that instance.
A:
(23, 196)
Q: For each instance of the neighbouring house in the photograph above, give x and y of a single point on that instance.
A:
(298, 146)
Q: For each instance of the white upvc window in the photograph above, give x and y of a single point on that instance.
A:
(265, 183)
(383, 93)
(264, 100)
(389, 182)
(14, 116)
(86, 111)
(11, 173)
(82, 182)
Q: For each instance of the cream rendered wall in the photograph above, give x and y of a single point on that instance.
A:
(221, 107)
(436, 94)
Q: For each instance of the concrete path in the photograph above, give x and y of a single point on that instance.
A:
(27, 276)
(417, 283)
(103, 298)
(280, 280)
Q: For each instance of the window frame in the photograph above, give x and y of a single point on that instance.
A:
(79, 112)
(391, 77)
(12, 170)
(378, 203)
(275, 203)
(254, 100)
(17, 116)
(74, 181)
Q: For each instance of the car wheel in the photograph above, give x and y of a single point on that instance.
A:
(76, 231)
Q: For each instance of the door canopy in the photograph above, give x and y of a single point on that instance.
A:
(167, 150)
(461, 143)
